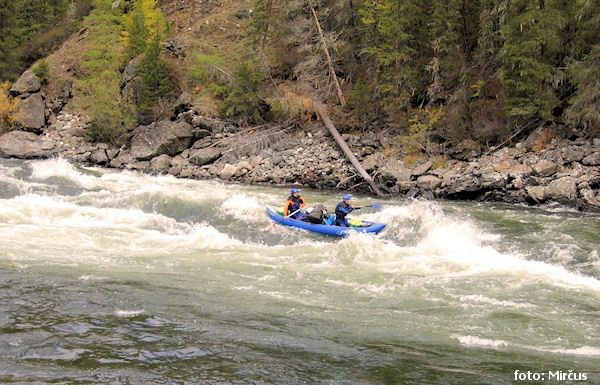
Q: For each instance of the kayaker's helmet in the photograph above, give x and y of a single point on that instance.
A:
(346, 197)
(294, 190)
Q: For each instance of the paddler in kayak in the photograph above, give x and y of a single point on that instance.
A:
(294, 205)
(342, 209)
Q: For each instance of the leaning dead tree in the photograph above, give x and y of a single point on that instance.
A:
(347, 151)
(328, 56)
(325, 115)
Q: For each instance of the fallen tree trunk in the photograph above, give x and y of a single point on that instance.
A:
(347, 151)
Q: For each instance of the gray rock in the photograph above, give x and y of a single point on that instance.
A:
(112, 153)
(124, 158)
(371, 162)
(115, 4)
(32, 117)
(203, 156)
(428, 182)
(159, 138)
(25, 145)
(421, 169)
(493, 180)
(256, 161)
(572, 154)
(200, 133)
(462, 184)
(545, 168)
(140, 166)
(228, 171)
(405, 186)
(537, 193)
(590, 197)
(99, 157)
(517, 183)
(161, 164)
(564, 188)
(27, 84)
(209, 124)
(276, 160)
(467, 149)
(183, 102)
(592, 159)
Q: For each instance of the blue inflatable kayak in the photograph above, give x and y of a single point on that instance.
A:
(336, 231)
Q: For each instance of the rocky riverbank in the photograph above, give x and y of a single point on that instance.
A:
(533, 171)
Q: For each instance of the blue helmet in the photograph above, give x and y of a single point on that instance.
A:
(346, 197)
(294, 190)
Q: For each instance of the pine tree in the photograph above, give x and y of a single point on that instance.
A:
(138, 33)
(156, 84)
(530, 57)
(7, 37)
(584, 67)
(394, 37)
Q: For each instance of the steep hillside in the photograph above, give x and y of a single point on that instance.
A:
(212, 28)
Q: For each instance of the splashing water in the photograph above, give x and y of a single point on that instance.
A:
(122, 277)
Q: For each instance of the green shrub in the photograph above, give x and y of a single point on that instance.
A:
(41, 69)
(243, 100)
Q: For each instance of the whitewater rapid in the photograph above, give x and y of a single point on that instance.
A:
(475, 276)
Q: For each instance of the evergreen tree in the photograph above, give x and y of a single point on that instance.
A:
(531, 55)
(394, 37)
(156, 85)
(7, 37)
(584, 67)
(138, 33)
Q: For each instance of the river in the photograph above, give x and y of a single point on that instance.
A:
(124, 278)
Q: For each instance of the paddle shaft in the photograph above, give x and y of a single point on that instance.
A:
(289, 215)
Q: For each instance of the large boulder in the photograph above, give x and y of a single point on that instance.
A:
(592, 159)
(428, 182)
(27, 84)
(421, 169)
(545, 168)
(563, 189)
(203, 156)
(228, 171)
(537, 193)
(183, 102)
(159, 138)
(161, 164)
(25, 145)
(31, 115)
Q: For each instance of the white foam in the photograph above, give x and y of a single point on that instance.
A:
(60, 167)
(128, 313)
(244, 207)
(589, 351)
(478, 298)
(45, 220)
(86, 277)
(474, 341)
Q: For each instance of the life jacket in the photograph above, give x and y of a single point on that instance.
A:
(293, 203)
(317, 214)
(339, 214)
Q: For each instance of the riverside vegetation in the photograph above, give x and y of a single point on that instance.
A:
(483, 99)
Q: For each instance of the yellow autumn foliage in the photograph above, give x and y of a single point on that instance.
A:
(9, 109)
(153, 18)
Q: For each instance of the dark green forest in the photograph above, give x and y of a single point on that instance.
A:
(454, 69)
(32, 29)
(489, 66)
